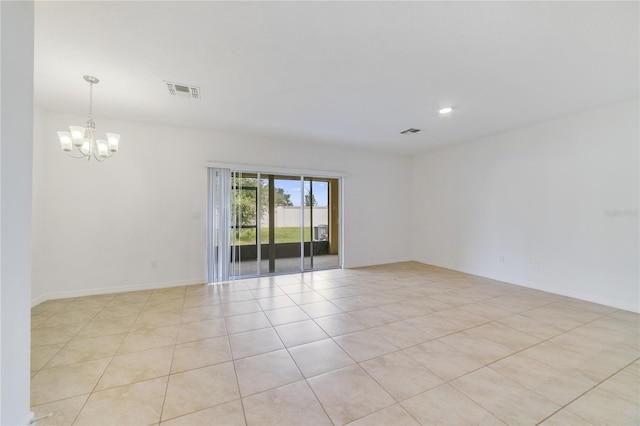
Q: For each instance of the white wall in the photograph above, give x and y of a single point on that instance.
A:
(101, 224)
(16, 127)
(538, 194)
(38, 275)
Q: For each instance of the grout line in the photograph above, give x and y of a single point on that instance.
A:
(173, 353)
(305, 378)
(108, 364)
(235, 372)
(262, 310)
(587, 391)
(289, 353)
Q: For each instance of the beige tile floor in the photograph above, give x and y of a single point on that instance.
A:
(400, 344)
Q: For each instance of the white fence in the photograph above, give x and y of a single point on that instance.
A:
(290, 216)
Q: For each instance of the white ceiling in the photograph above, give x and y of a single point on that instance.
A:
(353, 73)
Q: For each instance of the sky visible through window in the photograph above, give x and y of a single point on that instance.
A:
(320, 191)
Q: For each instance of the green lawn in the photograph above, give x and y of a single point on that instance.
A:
(283, 235)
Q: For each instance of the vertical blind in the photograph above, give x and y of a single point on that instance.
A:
(218, 225)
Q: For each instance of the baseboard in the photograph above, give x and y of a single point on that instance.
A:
(583, 296)
(376, 262)
(109, 290)
(29, 419)
(587, 297)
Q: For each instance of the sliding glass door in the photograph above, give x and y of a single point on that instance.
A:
(245, 209)
(285, 245)
(321, 249)
(276, 224)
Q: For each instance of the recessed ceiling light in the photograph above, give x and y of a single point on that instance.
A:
(446, 110)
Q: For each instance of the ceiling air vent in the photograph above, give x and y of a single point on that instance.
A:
(411, 130)
(183, 90)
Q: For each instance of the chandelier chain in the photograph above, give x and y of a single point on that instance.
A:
(91, 102)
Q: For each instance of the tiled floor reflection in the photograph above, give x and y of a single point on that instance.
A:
(400, 344)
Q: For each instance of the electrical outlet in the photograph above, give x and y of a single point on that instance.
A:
(501, 259)
(195, 215)
(154, 264)
(536, 263)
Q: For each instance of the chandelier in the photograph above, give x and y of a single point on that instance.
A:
(84, 138)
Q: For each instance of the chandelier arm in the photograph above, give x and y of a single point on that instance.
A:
(97, 157)
(75, 156)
